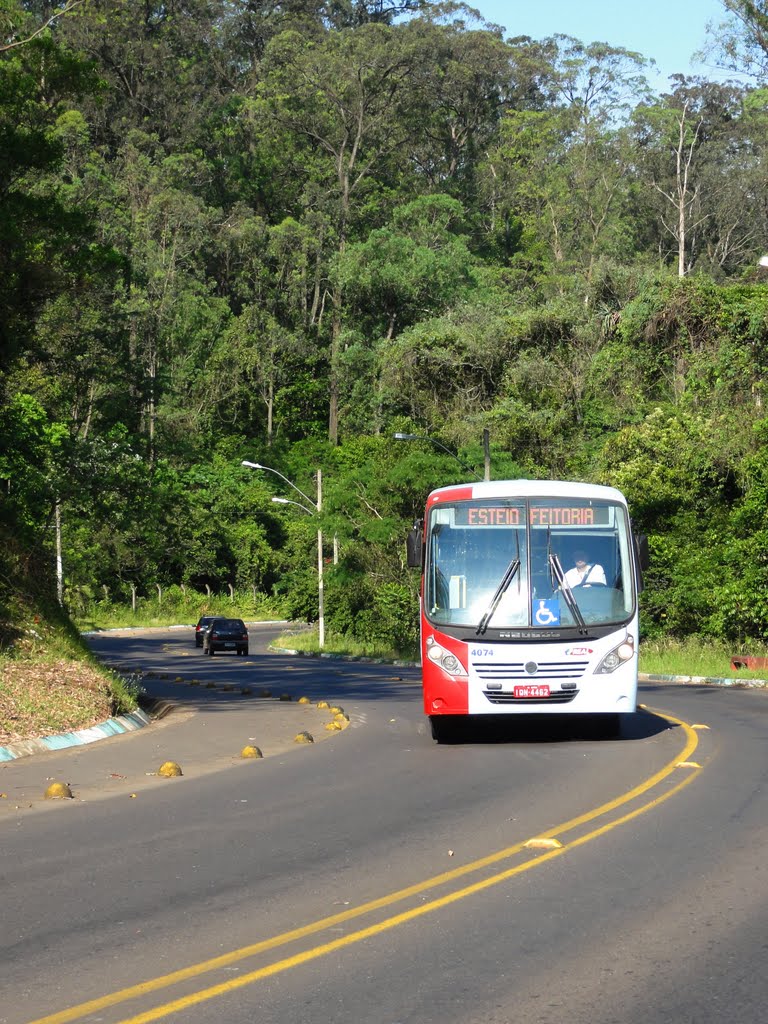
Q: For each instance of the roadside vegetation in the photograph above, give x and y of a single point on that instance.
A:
(49, 681)
(175, 607)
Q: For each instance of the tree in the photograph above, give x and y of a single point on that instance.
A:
(565, 169)
(409, 270)
(741, 43)
(683, 144)
(346, 95)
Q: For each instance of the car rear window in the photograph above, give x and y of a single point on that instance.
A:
(230, 624)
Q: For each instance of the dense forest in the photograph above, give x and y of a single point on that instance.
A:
(284, 231)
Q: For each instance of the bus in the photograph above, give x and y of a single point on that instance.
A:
(529, 602)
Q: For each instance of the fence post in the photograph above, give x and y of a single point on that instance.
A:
(231, 592)
(159, 594)
(133, 597)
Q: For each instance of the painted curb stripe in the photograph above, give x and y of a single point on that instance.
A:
(112, 727)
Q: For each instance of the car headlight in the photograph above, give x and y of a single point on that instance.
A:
(617, 657)
(447, 661)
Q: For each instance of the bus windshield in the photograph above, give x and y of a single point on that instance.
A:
(527, 563)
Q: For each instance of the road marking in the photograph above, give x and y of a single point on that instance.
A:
(214, 991)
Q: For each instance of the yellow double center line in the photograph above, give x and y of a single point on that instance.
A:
(447, 877)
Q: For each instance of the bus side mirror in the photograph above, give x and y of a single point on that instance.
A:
(414, 547)
(641, 547)
(643, 555)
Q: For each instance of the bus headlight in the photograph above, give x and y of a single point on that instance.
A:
(618, 656)
(448, 662)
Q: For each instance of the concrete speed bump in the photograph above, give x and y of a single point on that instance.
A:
(304, 700)
(59, 791)
(286, 697)
(323, 705)
(169, 770)
(304, 737)
(250, 751)
(333, 726)
(335, 710)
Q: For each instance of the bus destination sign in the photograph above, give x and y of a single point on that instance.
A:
(538, 515)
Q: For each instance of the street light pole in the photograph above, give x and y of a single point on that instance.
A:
(59, 568)
(320, 583)
(316, 508)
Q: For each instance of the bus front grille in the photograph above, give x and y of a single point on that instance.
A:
(515, 671)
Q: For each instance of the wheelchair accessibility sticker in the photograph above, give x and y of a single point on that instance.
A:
(546, 613)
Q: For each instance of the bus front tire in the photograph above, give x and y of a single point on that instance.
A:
(444, 728)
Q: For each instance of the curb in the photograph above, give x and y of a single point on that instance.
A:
(738, 684)
(329, 656)
(112, 727)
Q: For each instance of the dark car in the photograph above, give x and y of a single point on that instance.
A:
(225, 635)
(201, 627)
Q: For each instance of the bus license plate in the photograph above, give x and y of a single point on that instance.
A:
(531, 691)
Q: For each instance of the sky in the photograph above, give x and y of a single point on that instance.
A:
(669, 31)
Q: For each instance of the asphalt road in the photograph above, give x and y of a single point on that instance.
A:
(375, 876)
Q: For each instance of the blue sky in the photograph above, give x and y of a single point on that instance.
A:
(667, 30)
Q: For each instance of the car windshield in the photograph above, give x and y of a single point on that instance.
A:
(546, 562)
(229, 625)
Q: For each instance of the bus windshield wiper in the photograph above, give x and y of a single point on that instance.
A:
(506, 579)
(566, 591)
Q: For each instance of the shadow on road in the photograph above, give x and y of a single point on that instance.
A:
(551, 728)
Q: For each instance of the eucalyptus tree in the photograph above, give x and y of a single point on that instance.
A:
(565, 168)
(415, 267)
(467, 80)
(688, 148)
(168, 235)
(163, 63)
(349, 97)
(740, 43)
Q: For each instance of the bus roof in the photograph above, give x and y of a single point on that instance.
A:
(525, 489)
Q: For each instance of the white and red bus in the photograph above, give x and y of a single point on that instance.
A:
(529, 601)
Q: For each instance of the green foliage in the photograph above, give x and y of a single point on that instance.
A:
(234, 234)
(171, 606)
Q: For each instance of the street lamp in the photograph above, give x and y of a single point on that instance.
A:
(439, 444)
(316, 507)
(287, 501)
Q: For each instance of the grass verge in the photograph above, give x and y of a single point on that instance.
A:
(50, 683)
(308, 641)
(696, 657)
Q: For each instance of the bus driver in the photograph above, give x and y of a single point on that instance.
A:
(584, 573)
